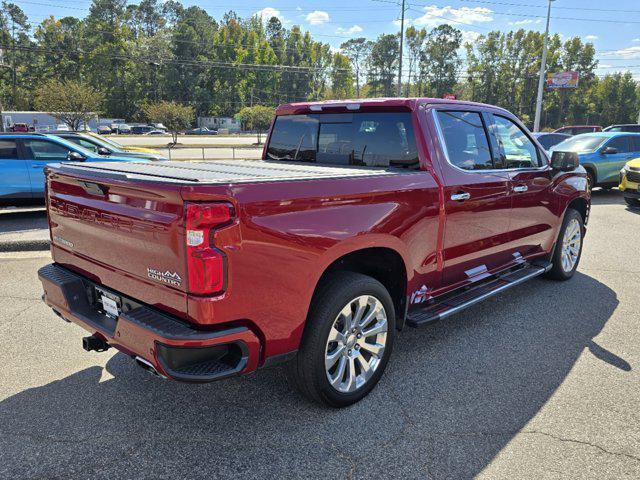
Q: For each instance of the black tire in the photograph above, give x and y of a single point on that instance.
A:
(307, 372)
(557, 272)
(591, 180)
(632, 202)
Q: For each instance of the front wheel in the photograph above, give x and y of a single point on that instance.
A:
(591, 180)
(568, 249)
(347, 341)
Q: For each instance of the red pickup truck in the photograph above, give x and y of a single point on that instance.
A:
(363, 217)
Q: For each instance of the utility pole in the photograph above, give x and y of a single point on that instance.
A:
(543, 68)
(13, 59)
(401, 51)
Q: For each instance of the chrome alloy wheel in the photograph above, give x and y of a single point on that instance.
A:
(356, 343)
(571, 243)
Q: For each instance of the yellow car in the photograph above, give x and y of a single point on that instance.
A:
(630, 182)
(126, 148)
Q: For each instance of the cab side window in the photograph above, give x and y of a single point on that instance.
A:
(8, 150)
(465, 140)
(88, 145)
(45, 150)
(515, 149)
(621, 144)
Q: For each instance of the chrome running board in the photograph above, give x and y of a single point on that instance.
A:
(456, 302)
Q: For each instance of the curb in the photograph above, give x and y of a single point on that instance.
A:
(24, 245)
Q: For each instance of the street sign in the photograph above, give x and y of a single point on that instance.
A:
(562, 80)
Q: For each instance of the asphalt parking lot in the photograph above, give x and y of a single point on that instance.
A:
(540, 382)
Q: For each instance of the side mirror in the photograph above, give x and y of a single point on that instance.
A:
(104, 151)
(609, 151)
(565, 161)
(75, 157)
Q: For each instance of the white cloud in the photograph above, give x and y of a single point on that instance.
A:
(626, 53)
(591, 37)
(636, 40)
(267, 13)
(469, 36)
(317, 17)
(351, 31)
(435, 15)
(526, 22)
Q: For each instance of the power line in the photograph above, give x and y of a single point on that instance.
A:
(212, 64)
(556, 7)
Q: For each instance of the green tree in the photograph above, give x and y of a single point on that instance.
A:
(341, 77)
(173, 115)
(256, 118)
(383, 64)
(69, 101)
(16, 80)
(415, 41)
(441, 60)
(357, 51)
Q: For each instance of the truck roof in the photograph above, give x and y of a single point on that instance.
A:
(380, 104)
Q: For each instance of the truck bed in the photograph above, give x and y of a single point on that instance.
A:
(220, 171)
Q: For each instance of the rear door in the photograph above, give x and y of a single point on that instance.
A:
(477, 199)
(14, 175)
(531, 226)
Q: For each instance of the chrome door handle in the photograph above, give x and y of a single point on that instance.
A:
(520, 188)
(460, 197)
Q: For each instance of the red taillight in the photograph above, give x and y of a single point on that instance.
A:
(205, 263)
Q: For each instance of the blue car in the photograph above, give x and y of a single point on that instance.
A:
(23, 158)
(603, 154)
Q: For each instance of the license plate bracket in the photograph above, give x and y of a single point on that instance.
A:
(111, 303)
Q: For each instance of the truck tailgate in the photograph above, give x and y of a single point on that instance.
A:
(133, 229)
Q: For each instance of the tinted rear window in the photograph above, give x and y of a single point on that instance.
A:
(371, 139)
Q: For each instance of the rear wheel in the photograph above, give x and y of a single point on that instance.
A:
(632, 202)
(568, 250)
(347, 341)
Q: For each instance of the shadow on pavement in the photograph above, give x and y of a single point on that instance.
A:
(454, 395)
(600, 196)
(21, 219)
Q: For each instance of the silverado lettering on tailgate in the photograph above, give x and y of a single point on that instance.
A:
(109, 220)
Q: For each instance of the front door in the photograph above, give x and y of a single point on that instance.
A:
(14, 176)
(613, 156)
(530, 176)
(38, 153)
(477, 200)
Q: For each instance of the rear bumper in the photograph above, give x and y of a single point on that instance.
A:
(174, 348)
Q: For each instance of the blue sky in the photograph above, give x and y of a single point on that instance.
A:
(615, 31)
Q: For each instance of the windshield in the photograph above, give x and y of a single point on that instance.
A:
(368, 139)
(106, 142)
(580, 143)
(103, 142)
(73, 146)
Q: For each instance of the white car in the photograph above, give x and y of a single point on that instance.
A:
(63, 127)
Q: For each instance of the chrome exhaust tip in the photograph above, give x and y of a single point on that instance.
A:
(148, 366)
